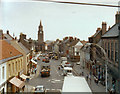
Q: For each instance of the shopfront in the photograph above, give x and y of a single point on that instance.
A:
(15, 85)
(23, 77)
(34, 65)
(3, 88)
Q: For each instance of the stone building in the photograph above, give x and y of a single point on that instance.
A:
(26, 42)
(110, 44)
(40, 44)
(13, 66)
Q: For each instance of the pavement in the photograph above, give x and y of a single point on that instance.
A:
(94, 87)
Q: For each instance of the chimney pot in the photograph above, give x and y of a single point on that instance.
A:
(117, 20)
(103, 27)
(1, 34)
(7, 31)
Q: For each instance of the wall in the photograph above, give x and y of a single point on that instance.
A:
(15, 63)
(3, 80)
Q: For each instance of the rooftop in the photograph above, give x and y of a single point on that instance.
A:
(7, 51)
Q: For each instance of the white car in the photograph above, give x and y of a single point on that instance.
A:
(40, 89)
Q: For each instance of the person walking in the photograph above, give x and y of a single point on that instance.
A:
(35, 70)
(87, 77)
(90, 78)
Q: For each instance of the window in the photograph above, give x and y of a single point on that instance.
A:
(0, 74)
(21, 63)
(3, 72)
(116, 52)
(9, 70)
(112, 54)
(27, 59)
(108, 50)
(105, 47)
(13, 66)
(16, 66)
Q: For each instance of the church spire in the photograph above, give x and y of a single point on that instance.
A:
(40, 26)
(40, 23)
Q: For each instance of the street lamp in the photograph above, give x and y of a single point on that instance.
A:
(106, 64)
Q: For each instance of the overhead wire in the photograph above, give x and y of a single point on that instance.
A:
(78, 3)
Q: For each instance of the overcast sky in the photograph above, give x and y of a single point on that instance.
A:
(59, 20)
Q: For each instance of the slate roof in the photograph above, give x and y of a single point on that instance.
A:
(24, 48)
(8, 37)
(74, 43)
(112, 32)
(8, 52)
(84, 42)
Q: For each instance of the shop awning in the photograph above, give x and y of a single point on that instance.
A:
(17, 82)
(34, 61)
(24, 76)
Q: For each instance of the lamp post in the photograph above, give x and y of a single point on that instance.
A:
(119, 57)
(106, 63)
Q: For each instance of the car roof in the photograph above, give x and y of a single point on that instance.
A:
(67, 68)
(40, 86)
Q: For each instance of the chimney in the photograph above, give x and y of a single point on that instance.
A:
(98, 29)
(15, 38)
(103, 27)
(1, 34)
(117, 20)
(8, 32)
(109, 28)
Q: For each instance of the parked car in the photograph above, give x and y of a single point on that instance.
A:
(60, 67)
(40, 89)
(56, 57)
(43, 60)
(38, 58)
(46, 60)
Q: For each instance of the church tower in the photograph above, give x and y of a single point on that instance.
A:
(40, 34)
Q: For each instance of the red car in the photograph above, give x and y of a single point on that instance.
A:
(43, 60)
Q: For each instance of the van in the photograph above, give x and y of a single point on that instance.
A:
(67, 71)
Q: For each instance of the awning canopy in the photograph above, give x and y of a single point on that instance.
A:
(34, 61)
(24, 76)
(17, 82)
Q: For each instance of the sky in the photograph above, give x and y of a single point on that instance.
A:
(58, 20)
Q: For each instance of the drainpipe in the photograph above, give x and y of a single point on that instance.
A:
(119, 57)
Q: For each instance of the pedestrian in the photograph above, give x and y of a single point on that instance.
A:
(90, 78)
(35, 70)
(82, 73)
(87, 77)
(97, 81)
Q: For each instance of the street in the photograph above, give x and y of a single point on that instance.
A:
(53, 82)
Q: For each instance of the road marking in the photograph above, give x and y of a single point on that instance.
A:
(56, 71)
(55, 81)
